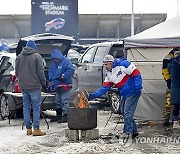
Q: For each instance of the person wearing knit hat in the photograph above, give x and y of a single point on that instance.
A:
(31, 44)
(30, 73)
(127, 78)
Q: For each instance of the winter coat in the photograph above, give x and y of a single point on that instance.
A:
(29, 69)
(174, 68)
(60, 73)
(165, 71)
(125, 76)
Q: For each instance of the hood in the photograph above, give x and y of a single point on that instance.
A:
(118, 60)
(28, 51)
(56, 54)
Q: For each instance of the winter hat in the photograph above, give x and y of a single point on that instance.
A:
(108, 58)
(31, 44)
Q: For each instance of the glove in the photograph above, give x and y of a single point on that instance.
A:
(91, 96)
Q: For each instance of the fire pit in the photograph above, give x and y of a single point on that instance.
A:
(82, 120)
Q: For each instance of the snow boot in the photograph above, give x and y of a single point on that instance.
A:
(135, 135)
(63, 120)
(38, 132)
(58, 115)
(176, 124)
(29, 131)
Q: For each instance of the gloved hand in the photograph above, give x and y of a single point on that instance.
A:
(91, 96)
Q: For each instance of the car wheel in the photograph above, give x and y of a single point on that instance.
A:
(115, 99)
(4, 108)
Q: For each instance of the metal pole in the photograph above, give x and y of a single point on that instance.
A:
(132, 19)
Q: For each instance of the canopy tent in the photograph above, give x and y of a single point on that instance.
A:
(147, 50)
(165, 34)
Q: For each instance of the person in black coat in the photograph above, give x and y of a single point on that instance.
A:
(174, 68)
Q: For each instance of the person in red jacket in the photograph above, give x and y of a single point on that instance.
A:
(127, 78)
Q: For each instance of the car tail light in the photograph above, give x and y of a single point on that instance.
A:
(13, 77)
(16, 88)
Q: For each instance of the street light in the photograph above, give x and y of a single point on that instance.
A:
(132, 19)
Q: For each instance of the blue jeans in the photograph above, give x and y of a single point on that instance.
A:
(128, 107)
(31, 97)
(62, 100)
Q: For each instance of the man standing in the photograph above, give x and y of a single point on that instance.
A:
(30, 73)
(174, 68)
(127, 79)
(60, 75)
(166, 74)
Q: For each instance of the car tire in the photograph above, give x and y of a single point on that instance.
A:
(4, 108)
(82, 118)
(115, 99)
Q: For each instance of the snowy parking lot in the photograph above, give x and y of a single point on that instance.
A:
(153, 139)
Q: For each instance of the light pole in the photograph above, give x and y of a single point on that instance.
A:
(132, 19)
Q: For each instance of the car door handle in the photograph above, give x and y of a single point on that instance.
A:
(99, 69)
(85, 68)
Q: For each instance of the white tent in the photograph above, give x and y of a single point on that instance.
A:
(165, 34)
(147, 50)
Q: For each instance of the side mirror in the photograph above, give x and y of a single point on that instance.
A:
(74, 60)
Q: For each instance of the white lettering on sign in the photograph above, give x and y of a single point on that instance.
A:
(50, 9)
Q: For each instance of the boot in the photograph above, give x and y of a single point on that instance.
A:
(135, 135)
(38, 132)
(63, 120)
(58, 115)
(29, 131)
(176, 124)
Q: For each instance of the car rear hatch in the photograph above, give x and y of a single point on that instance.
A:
(46, 43)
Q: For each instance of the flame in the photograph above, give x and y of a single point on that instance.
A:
(83, 101)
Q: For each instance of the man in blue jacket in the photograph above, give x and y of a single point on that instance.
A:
(60, 75)
(127, 78)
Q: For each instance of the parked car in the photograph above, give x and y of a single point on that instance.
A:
(91, 72)
(73, 54)
(45, 44)
(79, 48)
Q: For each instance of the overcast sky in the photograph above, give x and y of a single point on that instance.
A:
(100, 6)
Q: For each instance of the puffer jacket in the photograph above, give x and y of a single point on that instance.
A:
(60, 73)
(125, 76)
(165, 71)
(174, 68)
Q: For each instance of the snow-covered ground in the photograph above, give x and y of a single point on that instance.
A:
(14, 140)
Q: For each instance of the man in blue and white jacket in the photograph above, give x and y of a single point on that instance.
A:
(60, 75)
(127, 78)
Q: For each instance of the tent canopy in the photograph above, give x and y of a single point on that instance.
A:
(165, 34)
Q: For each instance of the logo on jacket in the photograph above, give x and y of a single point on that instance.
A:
(57, 23)
(119, 73)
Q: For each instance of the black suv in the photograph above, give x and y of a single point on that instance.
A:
(91, 72)
(45, 44)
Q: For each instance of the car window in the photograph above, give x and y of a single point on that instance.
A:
(117, 51)
(100, 53)
(88, 56)
(5, 64)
